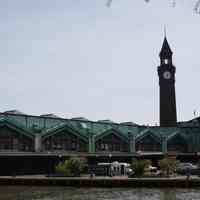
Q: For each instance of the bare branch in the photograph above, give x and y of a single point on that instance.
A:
(109, 2)
(197, 7)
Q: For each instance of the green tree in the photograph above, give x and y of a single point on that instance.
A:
(71, 167)
(139, 166)
(168, 165)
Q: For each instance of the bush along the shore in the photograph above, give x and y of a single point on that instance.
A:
(168, 165)
(139, 166)
(74, 166)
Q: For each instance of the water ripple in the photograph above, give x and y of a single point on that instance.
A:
(70, 193)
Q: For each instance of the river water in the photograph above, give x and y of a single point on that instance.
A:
(69, 193)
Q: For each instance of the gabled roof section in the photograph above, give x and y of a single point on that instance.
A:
(175, 134)
(14, 126)
(159, 131)
(195, 122)
(166, 51)
(148, 132)
(113, 131)
(61, 127)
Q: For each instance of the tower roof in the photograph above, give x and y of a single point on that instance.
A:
(166, 51)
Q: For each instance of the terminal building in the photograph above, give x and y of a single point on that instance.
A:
(48, 134)
(34, 143)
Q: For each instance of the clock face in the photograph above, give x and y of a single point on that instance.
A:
(167, 75)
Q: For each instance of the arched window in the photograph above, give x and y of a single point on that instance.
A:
(12, 140)
(148, 143)
(64, 141)
(177, 144)
(111, 143)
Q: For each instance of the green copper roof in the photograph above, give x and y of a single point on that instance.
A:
(48, 124)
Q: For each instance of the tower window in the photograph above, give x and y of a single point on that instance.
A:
(166, 61)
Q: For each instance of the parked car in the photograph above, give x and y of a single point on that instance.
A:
(184, 168)
(152, 169)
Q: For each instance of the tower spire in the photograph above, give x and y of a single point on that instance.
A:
(165, 34)
(166, 51)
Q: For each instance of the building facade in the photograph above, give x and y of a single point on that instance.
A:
(25, 133)
(33, 144)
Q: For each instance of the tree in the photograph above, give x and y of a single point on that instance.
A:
(138, 166)
(168, 165)
(71, 167)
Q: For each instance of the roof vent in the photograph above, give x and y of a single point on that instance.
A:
(129, 123)
(106, 121)
(49, 115)
(16, 112)
(80, 119)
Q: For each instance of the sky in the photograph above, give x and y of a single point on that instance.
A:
(80, 58)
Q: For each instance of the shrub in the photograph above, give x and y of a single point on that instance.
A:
(138, 166)
(168, 165)
(71, 167)
(62, 168)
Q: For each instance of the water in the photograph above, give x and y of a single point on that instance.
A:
(69, 193)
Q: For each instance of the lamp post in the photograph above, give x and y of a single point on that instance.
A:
(59, 157)
(110, 159)
(110, 156)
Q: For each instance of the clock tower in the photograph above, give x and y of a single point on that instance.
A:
(166, 73)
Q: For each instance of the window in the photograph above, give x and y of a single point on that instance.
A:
(106, 147)
(166, 61)
(102, 146)
(73, 145)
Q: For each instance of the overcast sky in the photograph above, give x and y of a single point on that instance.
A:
(79, 58)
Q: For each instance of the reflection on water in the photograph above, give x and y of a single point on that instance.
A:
(69, 193)
(168, 194)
